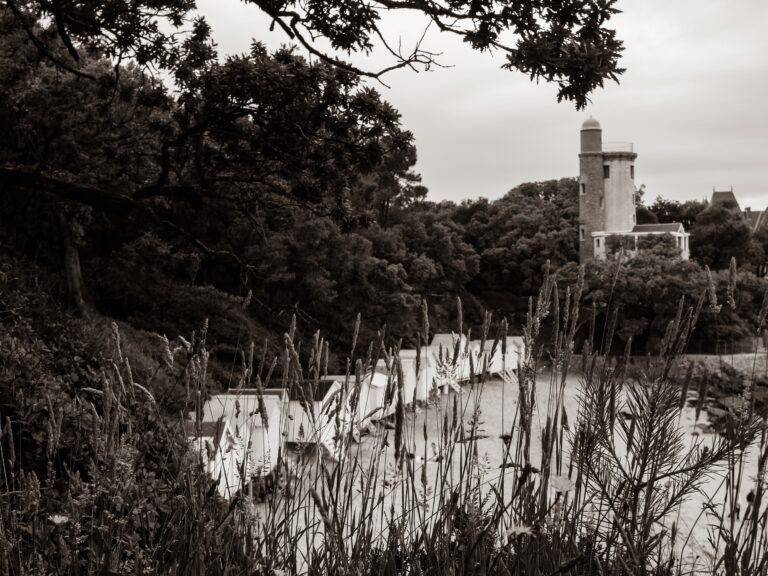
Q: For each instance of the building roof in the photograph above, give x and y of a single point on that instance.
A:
(241, 409)
(411, 354)
(724, 196)
(670, 227)
(755, 218)
(512, 342)
(447, 340)
(209, 431)
(591, 124)
(320, 389)
(281, 393)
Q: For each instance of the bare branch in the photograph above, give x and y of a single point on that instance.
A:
(102, 199)
(59, 18)
(42, 48)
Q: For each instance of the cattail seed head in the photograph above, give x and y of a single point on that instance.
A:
(116, 338)
(460, 314)
(261, 404)
(399, 411)
(321, 508)
(556, 313)
(712, 291)
(732, 284)
(763, 311)
(699, 307)
(355, 333)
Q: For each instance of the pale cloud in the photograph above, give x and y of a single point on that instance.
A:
(693, 102)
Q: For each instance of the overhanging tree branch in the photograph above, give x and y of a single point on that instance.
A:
(42, 48)
(103, 200)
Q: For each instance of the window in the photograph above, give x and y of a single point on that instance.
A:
(597, 242)
(582, 233)
(583, 189)
(601, 201)
(632, 172)
(606, 171)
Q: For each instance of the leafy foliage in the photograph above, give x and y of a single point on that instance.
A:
(570, 45)
(645, 290)
(667, 211)
(720, 234)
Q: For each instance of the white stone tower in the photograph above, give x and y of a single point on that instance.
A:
(606, 188)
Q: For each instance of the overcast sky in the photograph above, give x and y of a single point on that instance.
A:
(693, 101)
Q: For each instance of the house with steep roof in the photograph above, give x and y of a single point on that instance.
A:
(724, 196)
(754, 218)
(607, 205)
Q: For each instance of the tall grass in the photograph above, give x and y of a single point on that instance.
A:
(598, 489)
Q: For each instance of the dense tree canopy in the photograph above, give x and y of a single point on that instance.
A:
(566, 43)
(263, 173)
(517, 235)
(646, 291)
(673, 211)
(721, 233)
(271, 178)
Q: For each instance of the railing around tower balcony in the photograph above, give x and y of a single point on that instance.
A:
(617, 147)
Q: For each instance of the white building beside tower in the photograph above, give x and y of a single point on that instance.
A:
(607, 198)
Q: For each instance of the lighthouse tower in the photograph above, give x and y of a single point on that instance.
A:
(606, 190)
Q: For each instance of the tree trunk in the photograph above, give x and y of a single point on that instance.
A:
(72, 269)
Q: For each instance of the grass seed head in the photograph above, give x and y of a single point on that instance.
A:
(731, 294)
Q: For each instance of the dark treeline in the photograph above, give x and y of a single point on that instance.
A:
(286, 185)
(261, 178)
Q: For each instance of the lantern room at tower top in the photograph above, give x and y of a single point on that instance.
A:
(607, 195)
